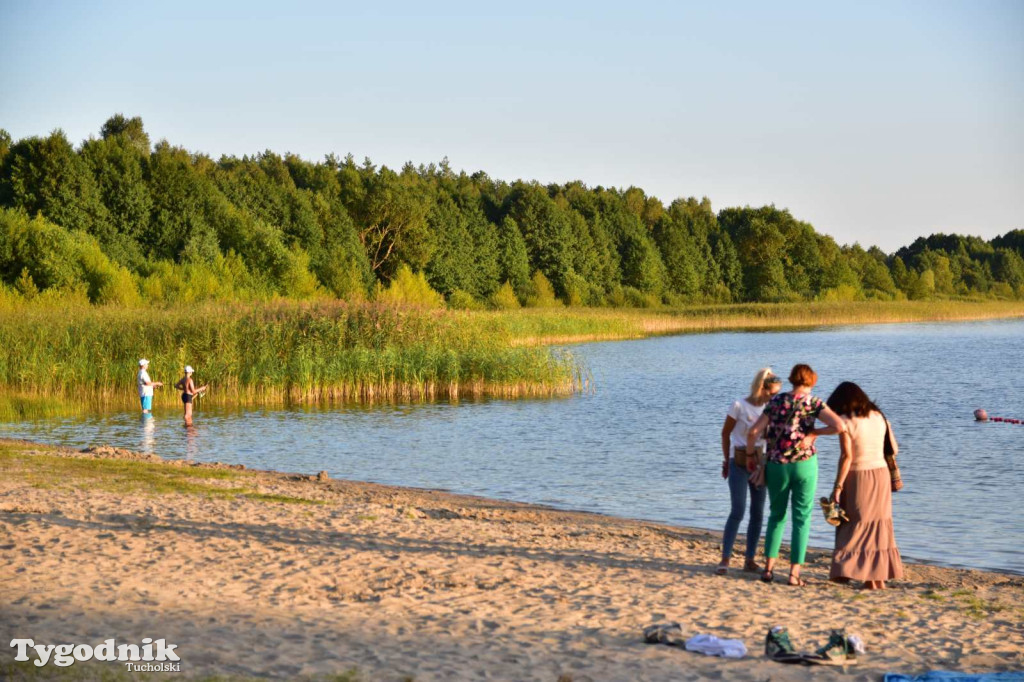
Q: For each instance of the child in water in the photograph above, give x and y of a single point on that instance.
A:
(189, 392)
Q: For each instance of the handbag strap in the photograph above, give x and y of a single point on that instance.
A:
(889, 446)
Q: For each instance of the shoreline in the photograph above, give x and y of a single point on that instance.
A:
(711, 532)
(256, 573)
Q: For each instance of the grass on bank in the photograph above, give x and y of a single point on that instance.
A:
(974, 606)
(55, 362)
(129, 476)
(968, 601)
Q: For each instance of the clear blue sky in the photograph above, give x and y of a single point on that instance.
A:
(875, 121)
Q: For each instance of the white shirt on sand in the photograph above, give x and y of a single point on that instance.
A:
(711, 645)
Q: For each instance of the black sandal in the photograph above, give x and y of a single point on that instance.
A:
(768, 576)
(800, 582)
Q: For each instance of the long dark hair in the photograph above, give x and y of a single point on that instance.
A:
(849, 399)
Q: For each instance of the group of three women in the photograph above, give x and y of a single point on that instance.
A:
(768, 449)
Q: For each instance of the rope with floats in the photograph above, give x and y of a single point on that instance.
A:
(982, 416)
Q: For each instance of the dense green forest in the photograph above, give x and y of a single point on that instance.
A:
(120, 220)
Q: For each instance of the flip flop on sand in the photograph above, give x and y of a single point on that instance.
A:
(721, 570)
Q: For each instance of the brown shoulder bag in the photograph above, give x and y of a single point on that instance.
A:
(889, 449)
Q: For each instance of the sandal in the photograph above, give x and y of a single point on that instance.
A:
(800, 582)
(721, 570)
(768, 576)
(751, 567)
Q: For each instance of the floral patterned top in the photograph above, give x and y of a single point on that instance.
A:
(790, 418)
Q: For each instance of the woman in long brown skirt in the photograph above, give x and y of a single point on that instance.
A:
(866, 544)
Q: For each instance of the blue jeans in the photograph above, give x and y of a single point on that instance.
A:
(738, 485)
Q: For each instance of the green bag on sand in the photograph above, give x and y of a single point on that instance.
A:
(778, 647)
(838, 650)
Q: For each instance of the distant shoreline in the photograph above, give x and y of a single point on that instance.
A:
(582, 325)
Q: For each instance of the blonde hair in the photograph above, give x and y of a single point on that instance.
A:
(757, 386)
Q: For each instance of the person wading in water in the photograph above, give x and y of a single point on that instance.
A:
(188, 389)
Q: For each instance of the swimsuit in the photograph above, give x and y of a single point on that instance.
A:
(186, 397)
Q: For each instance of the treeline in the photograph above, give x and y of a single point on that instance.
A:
(121, 220)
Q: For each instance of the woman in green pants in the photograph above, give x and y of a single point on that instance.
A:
(791, 467)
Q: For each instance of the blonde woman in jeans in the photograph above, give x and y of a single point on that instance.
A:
(737, 465)
(791, 468)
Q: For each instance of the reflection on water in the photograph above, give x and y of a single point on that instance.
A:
(192, 448)
(646, 444)
(150, 430)
(148, 439)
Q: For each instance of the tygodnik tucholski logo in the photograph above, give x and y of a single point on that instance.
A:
(150, 656)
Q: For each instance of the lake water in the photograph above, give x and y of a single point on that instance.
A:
(645, 443)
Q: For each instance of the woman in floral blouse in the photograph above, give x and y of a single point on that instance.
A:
(791, 471)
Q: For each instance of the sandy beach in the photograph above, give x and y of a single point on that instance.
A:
(260, 574)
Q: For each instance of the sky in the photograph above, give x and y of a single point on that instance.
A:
(876, 122)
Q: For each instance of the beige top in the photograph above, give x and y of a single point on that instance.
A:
(867, 435)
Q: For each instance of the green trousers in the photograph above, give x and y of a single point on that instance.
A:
(799, 481)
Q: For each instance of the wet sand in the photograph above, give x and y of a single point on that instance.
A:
(403, 583)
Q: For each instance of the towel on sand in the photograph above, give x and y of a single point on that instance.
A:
(944, 676)
(714, 646)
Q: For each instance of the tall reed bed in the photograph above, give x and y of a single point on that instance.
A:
(273, 353)
(82, 357)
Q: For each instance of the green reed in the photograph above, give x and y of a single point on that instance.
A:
(271, 353)
(82, 357)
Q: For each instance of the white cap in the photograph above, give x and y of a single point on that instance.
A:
(188, 369)
(143, 362)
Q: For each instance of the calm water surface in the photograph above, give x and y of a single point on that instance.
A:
(645, 444)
